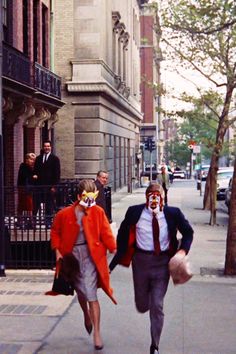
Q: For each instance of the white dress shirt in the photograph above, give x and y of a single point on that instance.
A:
(144, 236)
(45, 157)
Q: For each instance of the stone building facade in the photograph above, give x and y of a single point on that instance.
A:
(97, 56)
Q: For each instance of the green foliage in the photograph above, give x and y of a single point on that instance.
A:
(202, 34)
(198, 124)
(178, 152)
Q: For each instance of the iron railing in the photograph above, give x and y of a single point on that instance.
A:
(17, 66)
(46, 81)
(27, 235)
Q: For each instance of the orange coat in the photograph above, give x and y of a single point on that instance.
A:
(98, 234)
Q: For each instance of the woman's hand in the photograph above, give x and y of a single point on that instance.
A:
(58, 255)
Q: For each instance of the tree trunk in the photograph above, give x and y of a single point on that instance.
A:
(230, 258)
(209, 200)
(210, 189)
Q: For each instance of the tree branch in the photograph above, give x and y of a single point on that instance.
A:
(181, 55)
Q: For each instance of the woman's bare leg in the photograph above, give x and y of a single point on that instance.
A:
(95, 317)
(86, 311)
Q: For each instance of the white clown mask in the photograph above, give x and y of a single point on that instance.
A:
(154, 202)
(87, 199)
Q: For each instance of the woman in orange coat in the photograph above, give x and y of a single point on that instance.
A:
(84, 230)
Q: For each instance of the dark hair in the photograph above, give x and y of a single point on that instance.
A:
(87, 185)
(47, 142)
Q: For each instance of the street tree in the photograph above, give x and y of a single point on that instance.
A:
(202, 35)
(230, 258)
(197, 122)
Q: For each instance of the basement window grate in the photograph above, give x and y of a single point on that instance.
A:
(27, 280)
(7, 309)
(6, 348)
(21, 292)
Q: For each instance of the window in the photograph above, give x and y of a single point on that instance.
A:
(25, 27)
(4, 20)
(44, 35)
(35, 28)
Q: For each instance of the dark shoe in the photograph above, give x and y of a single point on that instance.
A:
(154, 349)
(98, 347)
(89, 328)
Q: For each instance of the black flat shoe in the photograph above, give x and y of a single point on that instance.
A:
(89, 328)
(98, 347)
(154, 349)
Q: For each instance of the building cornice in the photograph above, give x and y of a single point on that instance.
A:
(104, 88)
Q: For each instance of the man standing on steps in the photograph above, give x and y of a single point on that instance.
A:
(100, 182)
(47, 174)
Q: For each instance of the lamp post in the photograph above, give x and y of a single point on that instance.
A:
(2, 231)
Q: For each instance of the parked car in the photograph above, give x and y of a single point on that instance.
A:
(179, 174)
(228, 194)
(224, 175)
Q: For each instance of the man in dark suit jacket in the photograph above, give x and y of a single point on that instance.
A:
(150, 255)
(47, 173)
(100, 182)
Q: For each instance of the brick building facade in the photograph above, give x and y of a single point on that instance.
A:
(150, 54)
(31, 91)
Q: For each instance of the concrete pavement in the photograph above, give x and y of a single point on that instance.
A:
(200, 315)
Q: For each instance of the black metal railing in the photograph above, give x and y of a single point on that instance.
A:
(46, 81)
(16, 65)
(27, 241)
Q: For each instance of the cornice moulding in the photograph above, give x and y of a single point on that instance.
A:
(105, 89)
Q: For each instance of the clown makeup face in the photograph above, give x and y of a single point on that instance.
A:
(87, 199)
(154, 201)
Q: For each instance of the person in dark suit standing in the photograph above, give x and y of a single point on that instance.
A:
(147, 237)
(100, 182)
(47, 173)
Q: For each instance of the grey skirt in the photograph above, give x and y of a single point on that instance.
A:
(86, 280)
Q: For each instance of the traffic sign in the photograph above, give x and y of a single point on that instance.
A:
(197, 149)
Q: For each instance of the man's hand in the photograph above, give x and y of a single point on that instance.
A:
(181, 252)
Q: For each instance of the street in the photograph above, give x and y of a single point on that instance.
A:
(199, 315)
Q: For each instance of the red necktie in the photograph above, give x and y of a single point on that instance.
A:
(156, 232)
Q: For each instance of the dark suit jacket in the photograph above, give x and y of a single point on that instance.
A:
(126, 235)
(49, 172)
(101, 199)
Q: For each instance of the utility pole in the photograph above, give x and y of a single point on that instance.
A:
(2, 229)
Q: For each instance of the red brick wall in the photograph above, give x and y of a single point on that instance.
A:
(147, 68)
(17, 24)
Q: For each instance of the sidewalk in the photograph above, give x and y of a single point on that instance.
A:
(200, 315)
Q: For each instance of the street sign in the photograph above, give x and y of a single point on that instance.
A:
(197, 149)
